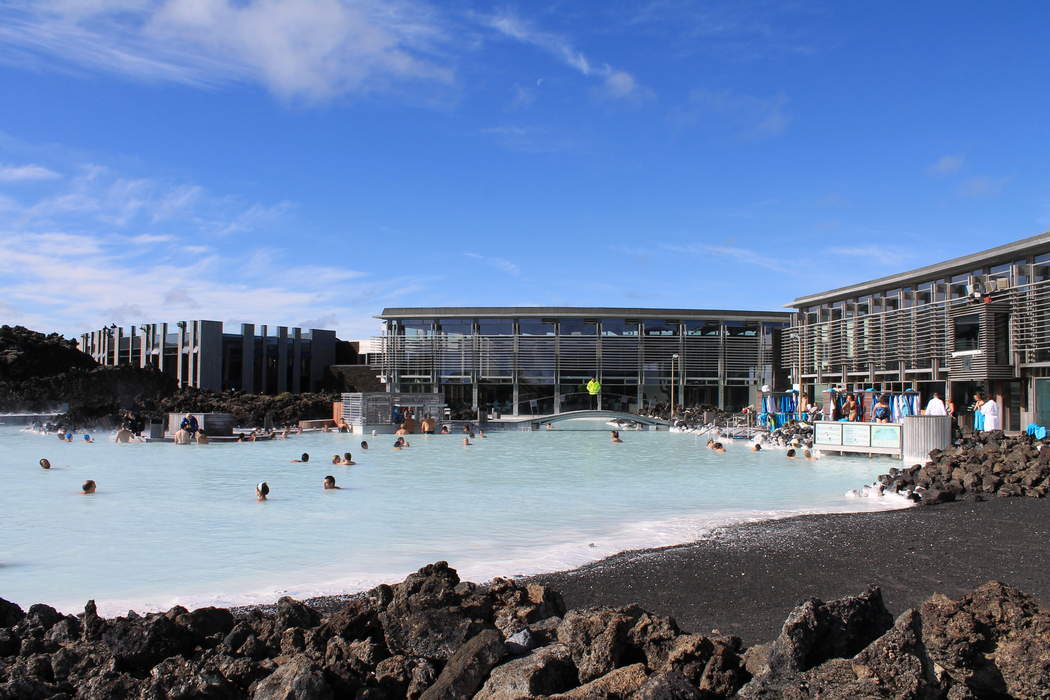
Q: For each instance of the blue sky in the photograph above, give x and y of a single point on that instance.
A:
(308, 162)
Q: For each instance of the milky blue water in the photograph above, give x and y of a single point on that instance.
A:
(180, 524)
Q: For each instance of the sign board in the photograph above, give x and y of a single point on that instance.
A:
(856, 434)
(885, 436)
(828, 434)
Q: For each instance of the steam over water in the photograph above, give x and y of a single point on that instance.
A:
(180, 524)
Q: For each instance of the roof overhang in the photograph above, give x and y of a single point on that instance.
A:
(575, 312)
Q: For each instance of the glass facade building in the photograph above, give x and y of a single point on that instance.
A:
(522, 361)
(974, 323)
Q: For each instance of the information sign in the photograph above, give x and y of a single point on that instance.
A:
(885, 436)
(829, 434)
(856, 434)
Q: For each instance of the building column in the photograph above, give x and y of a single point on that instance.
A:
(180, 346)
(264, 387)
(162, 345)
(248, 358)
(297, 360)
(282, 359)
(722, 365)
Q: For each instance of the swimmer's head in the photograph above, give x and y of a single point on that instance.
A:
(87, 438)
(790, 453)
(756, 447)
(807, 454)
(364, 444)
(305, 457)
(347, 457)
(88, 486)
(44, 464)
(262, 489)
(329, 482)
(336, 459)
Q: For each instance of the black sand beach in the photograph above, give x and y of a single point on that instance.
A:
(745, 579)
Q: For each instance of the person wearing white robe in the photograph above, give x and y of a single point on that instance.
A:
(990, 409)
(936, 407)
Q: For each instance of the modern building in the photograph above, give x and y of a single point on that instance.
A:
(537, 360)
(258, 359)
(974, 323)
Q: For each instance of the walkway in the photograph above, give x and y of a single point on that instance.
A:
(588, 413)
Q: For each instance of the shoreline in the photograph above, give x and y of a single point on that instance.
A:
(744, 579)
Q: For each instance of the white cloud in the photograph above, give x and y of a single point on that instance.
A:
(884, 255)
(753, 117)
(20, 173)
(616, 83)
(981, 186)
(92, 251)
(311, 49)
(744, 255)
(498, 263)
(945, 165)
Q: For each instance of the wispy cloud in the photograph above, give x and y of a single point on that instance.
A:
(981, 186)
(616, 83)
(751, 116)
(529, 139)
(747, 256)
(498, 263)
(96, 249)
(19, 173)
(884, 255)
(311, 49)
(945, 165)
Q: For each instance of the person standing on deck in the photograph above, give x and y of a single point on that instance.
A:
(936, 407)
(594, 387)
(990, 410)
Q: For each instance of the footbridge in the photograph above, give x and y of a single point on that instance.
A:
(535, 422)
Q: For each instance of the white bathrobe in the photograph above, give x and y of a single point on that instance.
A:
(990, 409)
(935, 408)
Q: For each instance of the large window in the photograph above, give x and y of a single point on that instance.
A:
(619, 327)
(495, 326)
(741, 329)
(536, 326)
(413, 328)
(708, 328)
(578, 326)
(455, 326)
(661, 328)
(967, 332)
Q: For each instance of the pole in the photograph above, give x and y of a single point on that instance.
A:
(673, 405)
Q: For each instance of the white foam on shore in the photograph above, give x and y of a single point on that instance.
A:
(578, 551)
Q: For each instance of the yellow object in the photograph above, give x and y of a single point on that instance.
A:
(593, 387)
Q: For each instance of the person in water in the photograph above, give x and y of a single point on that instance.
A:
(719, 448)
(88, 438)
(88, 487)
(616, 436)
(44, 464)
(808, 455)
(304, 458)
(329, 483)
(481, 433)
(262, 490)
(756, 447)
(790, 454)
(710, 444)
(364, 444)
(348, 460)
(202, 438)
(336, 459)
(466, 442)
(399, 443)
(445, 430)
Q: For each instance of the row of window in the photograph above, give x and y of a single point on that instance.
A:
(581, 327)
(1017, 273)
